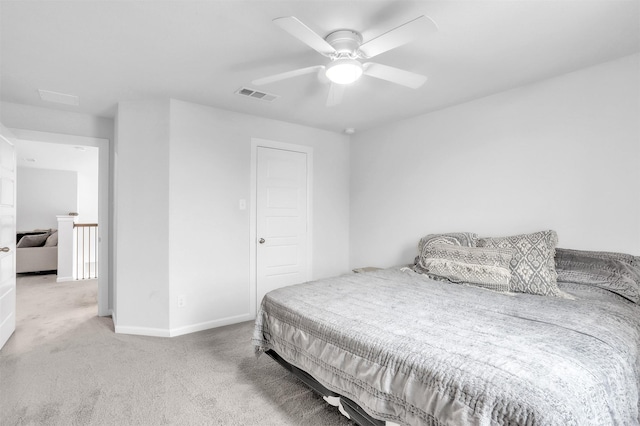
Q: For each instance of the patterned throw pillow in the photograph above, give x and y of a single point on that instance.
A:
(484, 267)
(532, 265)
(465, 239)
(615, 272)
(627, 259)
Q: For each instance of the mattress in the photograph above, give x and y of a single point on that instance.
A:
(414, 351)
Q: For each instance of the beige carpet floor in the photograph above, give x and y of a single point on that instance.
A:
(66, 366)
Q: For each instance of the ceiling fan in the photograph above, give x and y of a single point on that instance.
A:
(345, 49)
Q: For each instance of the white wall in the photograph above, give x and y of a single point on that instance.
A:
(210, 170)
(142, 217)
(29, 117)
(88, 194)
(179, 228)
(43, 194)
(561, 154)
(55, 156)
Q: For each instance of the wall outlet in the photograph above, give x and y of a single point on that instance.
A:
(181, 301)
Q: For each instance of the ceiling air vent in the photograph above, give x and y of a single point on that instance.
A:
(243, 91)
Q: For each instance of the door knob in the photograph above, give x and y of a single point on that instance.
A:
(5, 249)
(261, 241)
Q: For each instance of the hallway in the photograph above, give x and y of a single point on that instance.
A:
(46, 309)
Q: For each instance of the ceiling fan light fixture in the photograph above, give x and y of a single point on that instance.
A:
(344, 71)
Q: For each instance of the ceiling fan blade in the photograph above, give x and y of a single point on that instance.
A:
(336, 91)
(285, 75)
(296, 28)
(398, 36)
(394, 75)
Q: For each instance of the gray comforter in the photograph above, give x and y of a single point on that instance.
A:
(420, 352)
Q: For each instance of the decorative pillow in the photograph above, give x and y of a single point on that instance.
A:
(32, 240)
(615, 272)
(532, 265)
(484, 267)
(628, 259)
(52, 240)
(465, 239)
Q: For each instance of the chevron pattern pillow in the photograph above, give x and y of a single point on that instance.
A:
(532, 266)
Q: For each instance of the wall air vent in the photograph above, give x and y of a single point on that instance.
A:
(243, 91)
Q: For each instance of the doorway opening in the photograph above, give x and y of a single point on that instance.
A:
(56, 154)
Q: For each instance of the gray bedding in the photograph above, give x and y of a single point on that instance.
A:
(415, 351)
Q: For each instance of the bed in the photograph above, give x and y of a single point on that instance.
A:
(396, 346)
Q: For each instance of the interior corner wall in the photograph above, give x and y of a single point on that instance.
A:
(142, 218)
(210, 173)
(181, 170)
(559, 154)
(43, 194)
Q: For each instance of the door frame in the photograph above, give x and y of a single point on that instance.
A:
(103, 200)
(253, 213)
(10, 320)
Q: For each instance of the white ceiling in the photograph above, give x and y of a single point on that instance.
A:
(53, 156)
(203, 51)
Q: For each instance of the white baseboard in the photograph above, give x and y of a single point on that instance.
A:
(209, 324)
(173, 332)
(63, 279)
(104, 312)
(142, 331)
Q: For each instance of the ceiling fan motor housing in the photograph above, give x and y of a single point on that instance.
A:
(346, 43)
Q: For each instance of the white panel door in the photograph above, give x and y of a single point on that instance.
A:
(281, 219)
(7, 236)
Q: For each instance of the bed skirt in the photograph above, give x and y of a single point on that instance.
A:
(348, 408)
